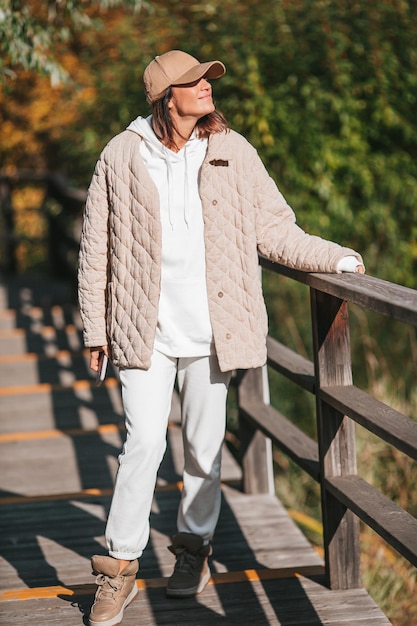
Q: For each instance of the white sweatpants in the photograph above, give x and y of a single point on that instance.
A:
(147, 397)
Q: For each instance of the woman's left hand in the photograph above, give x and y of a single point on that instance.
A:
(350, 264)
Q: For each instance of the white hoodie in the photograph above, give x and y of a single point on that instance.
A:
(184, 328)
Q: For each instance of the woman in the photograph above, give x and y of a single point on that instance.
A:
(177, 211)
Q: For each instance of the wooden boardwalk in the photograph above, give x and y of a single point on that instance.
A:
(59, 439)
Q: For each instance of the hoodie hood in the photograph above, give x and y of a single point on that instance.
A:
(143, 127)
(174, 173)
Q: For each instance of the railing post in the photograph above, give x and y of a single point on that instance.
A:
(256, 449)
(8, 256)
(336, 438)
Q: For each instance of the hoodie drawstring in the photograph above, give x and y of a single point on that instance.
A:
(186, 189)
(170, 177)
(168, 165)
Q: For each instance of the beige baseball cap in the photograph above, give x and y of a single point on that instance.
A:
(176, 68)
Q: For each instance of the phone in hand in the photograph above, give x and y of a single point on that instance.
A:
(102, 369)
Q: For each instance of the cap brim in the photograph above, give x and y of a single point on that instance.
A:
(211, 69)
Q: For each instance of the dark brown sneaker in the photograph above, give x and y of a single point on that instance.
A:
(114, 592)
(191, 572)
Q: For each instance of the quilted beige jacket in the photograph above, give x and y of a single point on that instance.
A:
(120, 253)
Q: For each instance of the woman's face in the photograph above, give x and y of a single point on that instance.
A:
(193, 100)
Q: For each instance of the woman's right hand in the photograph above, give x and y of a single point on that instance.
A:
(95, 355)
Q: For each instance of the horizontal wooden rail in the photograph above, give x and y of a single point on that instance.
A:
(290, 439)
(295, 367)
(395, 525)
(379, 418)
(370, 293)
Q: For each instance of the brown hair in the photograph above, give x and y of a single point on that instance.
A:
(163, 125)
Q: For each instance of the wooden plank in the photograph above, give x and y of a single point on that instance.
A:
(283, 270)
(290, 439)
(389, 520)
(7, 319)
(297, 601)
(46, 340)
(30, 368)
(73, 462)
(58, 465)
(17, 291)
(395, 301)
(50, 543)
(13, 341)
(371, 293)
(295, 367)
(377, 417)
(29, 317)
(56, 406)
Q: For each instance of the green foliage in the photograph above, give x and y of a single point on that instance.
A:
(326, 91)
(30, 30)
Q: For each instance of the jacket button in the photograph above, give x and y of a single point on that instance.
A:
(228, 336)
(220, 294)
(214, 202)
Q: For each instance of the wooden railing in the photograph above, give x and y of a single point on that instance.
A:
(346, 498)
(63, 220)
(331, 460)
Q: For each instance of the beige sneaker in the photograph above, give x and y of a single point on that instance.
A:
(114, 592)
(191, 572)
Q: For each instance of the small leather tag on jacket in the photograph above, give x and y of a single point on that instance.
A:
(219, 163)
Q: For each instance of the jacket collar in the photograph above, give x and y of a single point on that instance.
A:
(220, 149)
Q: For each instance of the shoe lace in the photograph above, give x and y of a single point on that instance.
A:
(185, 562)
(107, 587)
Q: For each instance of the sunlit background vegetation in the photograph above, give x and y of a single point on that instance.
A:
(327, 92)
